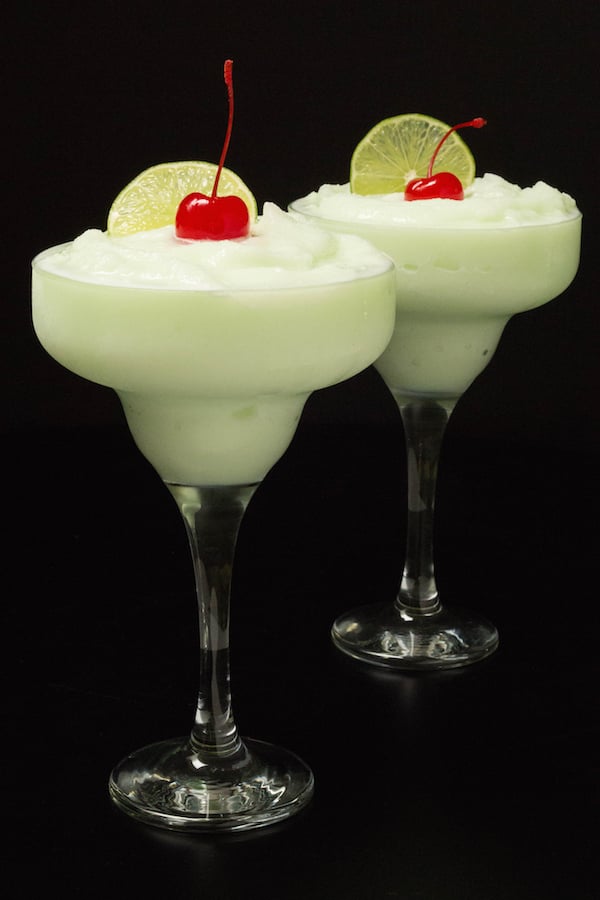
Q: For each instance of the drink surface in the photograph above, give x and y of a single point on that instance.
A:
(490, 202)
(462, 269)
(279, 253)
(213, 346)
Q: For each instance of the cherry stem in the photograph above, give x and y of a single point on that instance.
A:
(474, 123)
(228, 75)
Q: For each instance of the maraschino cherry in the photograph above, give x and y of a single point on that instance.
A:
(442, 185)
(201, 217)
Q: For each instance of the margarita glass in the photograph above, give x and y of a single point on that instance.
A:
(213, 382)
(463, 268)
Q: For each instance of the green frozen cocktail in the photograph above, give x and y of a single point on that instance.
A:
(213, 325)
(464, 265)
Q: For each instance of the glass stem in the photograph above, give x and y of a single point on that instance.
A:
(424, 423)
(212, 517)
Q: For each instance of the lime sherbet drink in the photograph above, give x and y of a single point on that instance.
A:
(463, 268)
(214, 346)
(213, 325)
(469, 253)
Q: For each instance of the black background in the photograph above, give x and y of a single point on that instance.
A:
(474, 785)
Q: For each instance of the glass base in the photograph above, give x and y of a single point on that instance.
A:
(170, 785)
(386, 635)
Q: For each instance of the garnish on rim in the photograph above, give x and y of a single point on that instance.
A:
(398, 150)
(442, 185)
(201, 217)
(151, 200)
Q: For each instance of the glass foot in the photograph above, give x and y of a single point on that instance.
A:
(170, 785)
(386, 635)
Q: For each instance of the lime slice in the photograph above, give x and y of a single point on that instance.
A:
(151, 199)
(399, 149)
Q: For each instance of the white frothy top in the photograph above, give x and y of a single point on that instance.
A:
(490, 202)
(280, 252)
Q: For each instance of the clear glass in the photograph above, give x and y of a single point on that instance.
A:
(213, 388)
(212, 779)
(415, 630)
(455, 291)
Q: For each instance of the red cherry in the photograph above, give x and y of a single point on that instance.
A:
(201, 217)
(442, 185)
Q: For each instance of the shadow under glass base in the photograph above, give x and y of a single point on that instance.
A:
(384, 634)
(168, 784)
